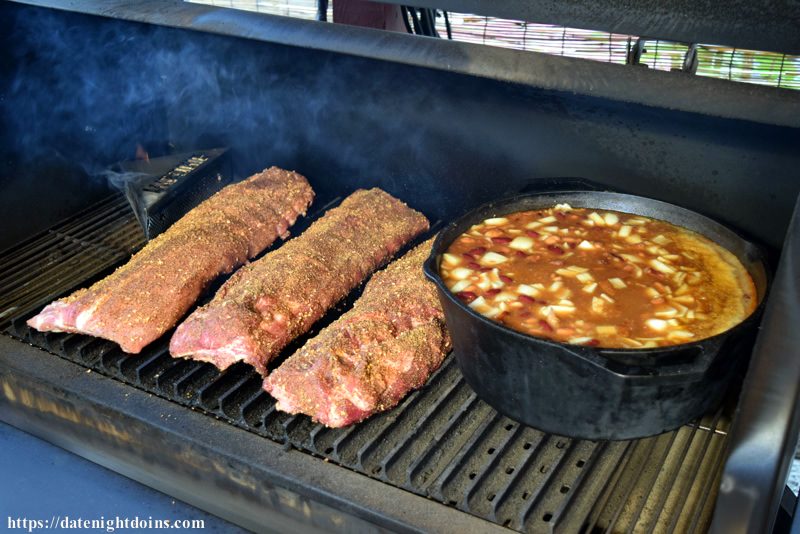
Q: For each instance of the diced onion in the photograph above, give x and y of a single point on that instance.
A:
(618, 283)
(651, 292)
(585, 245)
(610, 219)
(577, 269)
(666, 313)
(451, 259)
(529, 291)
(631, 258)
(521, 243)
(597, 219)
(496, 221)
(479, 303)
(606, 330)
(491, 312)
(680, 334)
(590, 288)
(579, 340)
(656, 324)
(460, 273)
(661, 266)
(493, 258)
(460, 286)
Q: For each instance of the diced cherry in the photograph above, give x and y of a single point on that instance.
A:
(485, 269)
(501, 240)
(466, 296)
(561, 214)
(519, 254)
(527, 299)
(469, 256)
(506, 279)
(477, 251)
(492, 292)
(473, 265)
(533, 233)
(592, 342)
(555, 250)
(545, 325)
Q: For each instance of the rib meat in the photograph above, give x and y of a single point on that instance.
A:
(271, 301)
(366, 361)
(144, 298)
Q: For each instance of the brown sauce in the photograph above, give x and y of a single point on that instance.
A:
(599, 278)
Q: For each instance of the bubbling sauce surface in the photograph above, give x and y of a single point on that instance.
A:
(598, 278)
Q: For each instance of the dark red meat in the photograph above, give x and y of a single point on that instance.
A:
(271, 301)
(144, 298)
(369, 359)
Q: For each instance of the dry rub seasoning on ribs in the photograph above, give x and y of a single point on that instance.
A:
(373, 355)
(269, 302)
(144, 298)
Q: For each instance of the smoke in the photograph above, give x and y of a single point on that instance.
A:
(119, 180)
(87, 90)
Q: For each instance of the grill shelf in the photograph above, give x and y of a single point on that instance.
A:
(441, 442)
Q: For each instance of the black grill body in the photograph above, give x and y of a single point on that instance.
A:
(443, 126)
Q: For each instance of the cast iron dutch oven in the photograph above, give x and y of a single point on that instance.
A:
(590, 392)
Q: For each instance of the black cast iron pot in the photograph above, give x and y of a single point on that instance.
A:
(588, 392)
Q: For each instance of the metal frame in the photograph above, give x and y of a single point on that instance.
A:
(769, 26)
(764, 433)
(707, 96)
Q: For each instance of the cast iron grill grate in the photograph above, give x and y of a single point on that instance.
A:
(441, 442)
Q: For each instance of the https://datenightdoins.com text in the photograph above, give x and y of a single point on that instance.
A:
(110, 524)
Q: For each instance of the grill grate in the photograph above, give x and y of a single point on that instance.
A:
(441, 442)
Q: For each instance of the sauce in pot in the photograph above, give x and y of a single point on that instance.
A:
(598, 278)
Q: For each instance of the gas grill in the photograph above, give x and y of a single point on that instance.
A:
(442, 460)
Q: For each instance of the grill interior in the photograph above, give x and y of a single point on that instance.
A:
(441, 442)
